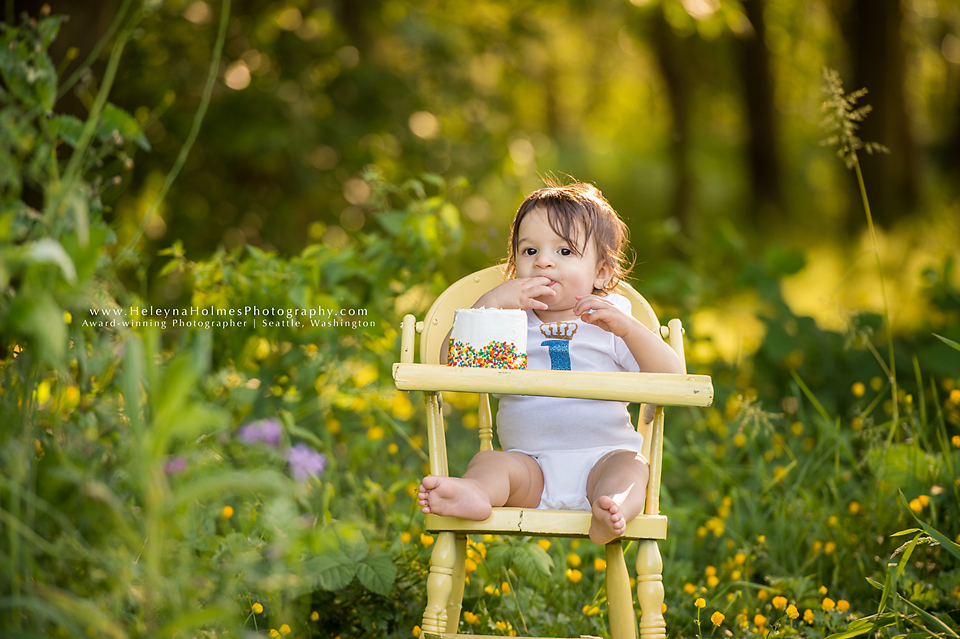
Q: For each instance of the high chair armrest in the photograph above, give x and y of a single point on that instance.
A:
(650, 388)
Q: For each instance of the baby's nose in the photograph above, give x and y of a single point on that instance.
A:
(544, 260)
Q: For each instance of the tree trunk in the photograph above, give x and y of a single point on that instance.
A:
(762, 146)
(879, 64)
(670, 51)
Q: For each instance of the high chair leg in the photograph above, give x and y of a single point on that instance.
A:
(650, 590)
(619, 601)
(440, 583)
(455, 605)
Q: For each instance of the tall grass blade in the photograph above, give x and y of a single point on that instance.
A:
(949, 342)
(129, 249)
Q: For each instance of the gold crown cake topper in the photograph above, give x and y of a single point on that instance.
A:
(559, 330)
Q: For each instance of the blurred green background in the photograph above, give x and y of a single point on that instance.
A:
(698, 119)
(364, 155)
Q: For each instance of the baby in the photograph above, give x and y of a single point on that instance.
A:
(566, 254)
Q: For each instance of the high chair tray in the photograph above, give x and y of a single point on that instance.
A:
(650, 388)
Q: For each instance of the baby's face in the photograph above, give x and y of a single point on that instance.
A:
(543, 253)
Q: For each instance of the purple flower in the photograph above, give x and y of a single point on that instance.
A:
(305, 462)
(267, 431)
(175, 466)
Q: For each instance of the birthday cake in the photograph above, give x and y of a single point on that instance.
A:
(489, 338)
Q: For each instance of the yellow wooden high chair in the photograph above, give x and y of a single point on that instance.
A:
(447, 570)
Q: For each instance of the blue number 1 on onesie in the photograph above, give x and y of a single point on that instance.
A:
(559, 354)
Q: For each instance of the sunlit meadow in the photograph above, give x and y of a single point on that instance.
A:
(252, 482)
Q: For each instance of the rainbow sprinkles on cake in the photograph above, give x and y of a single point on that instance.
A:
(489, 338)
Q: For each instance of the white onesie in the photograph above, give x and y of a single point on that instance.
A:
(568, 436)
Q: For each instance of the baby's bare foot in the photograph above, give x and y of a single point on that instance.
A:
(607, 523)
(454, 497)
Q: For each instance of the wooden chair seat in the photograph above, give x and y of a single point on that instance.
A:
(446, 579)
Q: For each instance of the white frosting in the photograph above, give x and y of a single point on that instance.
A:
(478, 327)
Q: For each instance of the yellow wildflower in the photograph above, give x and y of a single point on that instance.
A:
(858, 389)
(808, 616)
(735, 575)
(828, 604)
(717, 618)
(574, 560)
(574, 544)
(574, 575)
(689, 588)
(700, 602)
(393, 449)
(599, 564)
(710, 571)
(426, 540)
(590, 611)
(469, 564)
(314, 616)
(663, 609)
(854, 508)
(416, 631)
(759, 621)
(490, 590)
(227, 512)
(924, 500)
(284, 629)
(762, 594)
(376, 433)
(505, 587)
(916, 505)
(822, 590)
(792, 611)
(829, 547)
(257, 608)
(544, 543)
(274, 633)
(955, 440)
(817, 546)
(472, 619)
(739, 558)
(712, 581)
(843, 605)
(405, 537)
(779, 602)
(739, 440)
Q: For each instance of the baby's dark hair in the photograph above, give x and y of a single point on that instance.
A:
(574, 210)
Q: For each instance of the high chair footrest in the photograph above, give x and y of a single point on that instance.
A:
(544, 523)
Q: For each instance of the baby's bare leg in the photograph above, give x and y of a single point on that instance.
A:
(617, 490)
(493, 478)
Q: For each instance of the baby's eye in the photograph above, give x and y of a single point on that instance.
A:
(565, 251)
(529, 251)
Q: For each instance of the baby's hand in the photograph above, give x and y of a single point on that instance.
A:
(519, 293)
(601, 312)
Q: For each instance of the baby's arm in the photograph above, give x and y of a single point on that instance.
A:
(518, 293)
(653, 355)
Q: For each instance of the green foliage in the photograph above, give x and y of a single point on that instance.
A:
(132, 506)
